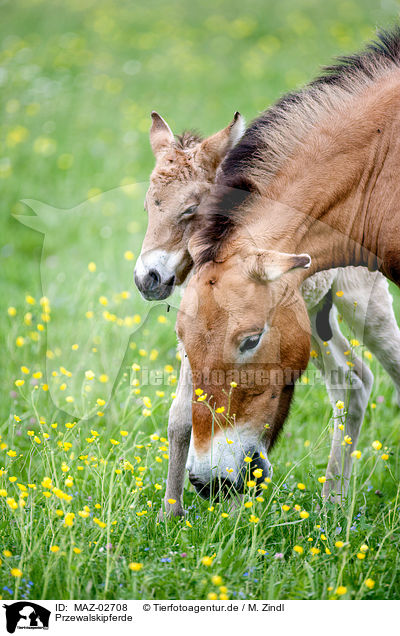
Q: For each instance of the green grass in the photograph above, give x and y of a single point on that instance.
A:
(79, 80)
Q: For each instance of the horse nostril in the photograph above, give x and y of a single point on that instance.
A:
(154, 278)
(171, 281)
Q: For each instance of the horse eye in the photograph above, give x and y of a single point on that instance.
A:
(189, 211)
(250, 343)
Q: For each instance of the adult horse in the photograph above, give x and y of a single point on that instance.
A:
(183, 176)
(314, 184)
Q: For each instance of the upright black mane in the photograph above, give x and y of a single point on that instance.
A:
(224, 210)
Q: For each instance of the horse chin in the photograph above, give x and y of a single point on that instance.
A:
(218, 489)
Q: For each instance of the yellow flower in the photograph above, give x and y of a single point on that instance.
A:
(172, 501)
(341, 590)
(251, 483)
(224, 515)
(92, 266)
(162, 320)
(339, 544)
(69, 519)
(212, 596)
(285, 508)
(233, 385)
(315, 551)
(258, 473)
(377, 445)
(19, 382)
(189, 525)
(254, 519)
(361, 556)
(7, 553)
(207, 561)
(385, 457)
(364, 548)
(77, 550)
(217, 579)
(128, 255)
(298, 549)
(135, 567)
(100, 523)
(54, 548)
(301, 486)
(348, 439)
(357, 454)
(10, 501)
(339, 293)
(368, 355)
(16, 572)
(322, 480)
(340, 404)
(370, 583)
(103, 378)
(11, 311)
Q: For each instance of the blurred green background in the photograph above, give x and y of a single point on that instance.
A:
(78, 80)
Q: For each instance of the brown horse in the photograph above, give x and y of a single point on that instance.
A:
(185, 170)
(317, 174)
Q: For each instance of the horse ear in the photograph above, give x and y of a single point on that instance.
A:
(269, 265)
(214, 148)
(161, 136)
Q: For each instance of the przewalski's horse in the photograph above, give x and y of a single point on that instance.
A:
(184, 175)
(318, 174)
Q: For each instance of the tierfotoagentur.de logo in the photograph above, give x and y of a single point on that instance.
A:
(26, 615)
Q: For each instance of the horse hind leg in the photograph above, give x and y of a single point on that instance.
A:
(351, 385)
(372, 317)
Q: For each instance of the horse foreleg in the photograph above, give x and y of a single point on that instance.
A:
(179, 431)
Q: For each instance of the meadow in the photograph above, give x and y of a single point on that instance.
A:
(88, 369)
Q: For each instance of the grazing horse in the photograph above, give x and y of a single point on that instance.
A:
(313, 184)
(183, 176)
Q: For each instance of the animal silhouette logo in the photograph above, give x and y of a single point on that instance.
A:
(26, 615)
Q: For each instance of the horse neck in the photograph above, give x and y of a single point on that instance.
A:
(338, 198)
